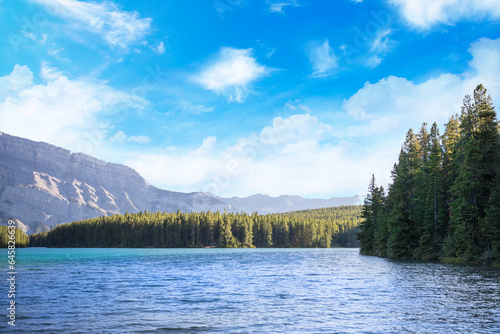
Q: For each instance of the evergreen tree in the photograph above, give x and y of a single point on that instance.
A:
(371, 213)
(434, 223)
(477, 157)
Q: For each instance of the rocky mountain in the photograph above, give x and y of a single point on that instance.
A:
(42, 185)
(265, 204)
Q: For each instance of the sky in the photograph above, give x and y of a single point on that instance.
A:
(238, 97)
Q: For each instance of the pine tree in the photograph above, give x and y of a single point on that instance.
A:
(477, 157)
(492, 220)
(403, 199)
(367, 226)
(382, 228)
(434, 224)
(372, 216)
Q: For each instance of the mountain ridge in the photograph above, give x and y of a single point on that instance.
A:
(264, 204)
(42, 185)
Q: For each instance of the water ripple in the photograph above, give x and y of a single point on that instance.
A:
(248, 291)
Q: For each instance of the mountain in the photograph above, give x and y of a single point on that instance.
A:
(42, 185)
(264, 204)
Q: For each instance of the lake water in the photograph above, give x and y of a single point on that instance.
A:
(246, 291)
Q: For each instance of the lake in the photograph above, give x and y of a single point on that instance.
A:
(246, 291)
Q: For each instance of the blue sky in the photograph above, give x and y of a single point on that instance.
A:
(238, 97)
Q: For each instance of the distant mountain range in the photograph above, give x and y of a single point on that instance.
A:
(42, 185)
(264, 204)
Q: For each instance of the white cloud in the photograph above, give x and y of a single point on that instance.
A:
(208, 144)
(322, 58)
(63, 111)
(116, 27)
(139, 139)
(404, 102)
(303, 155)
(424, 14)
(373, 61)
(48, 72)
(193, 109)
(380, 45)
(54, 52)
(34, 37)
(121, 137)
(181, 170)
(231, 73)
(160, 48)
(293, 129)
(296, 155)
(20, 79)
(381, 42)
(287, 157)
(396, 104)
(297, 107)
(277, 6)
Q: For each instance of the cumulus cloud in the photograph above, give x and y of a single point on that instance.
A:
(322, 58)
(18, 80)
(116, 27)
(424, 14)
(398, 103)
(63, 111)
(231, 73)
(303, 155)
(295, 155)
(290, 156)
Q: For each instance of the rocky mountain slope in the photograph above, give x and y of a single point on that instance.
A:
(42, 185)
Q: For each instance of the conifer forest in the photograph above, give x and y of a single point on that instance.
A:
(444, 200)
(329, 227)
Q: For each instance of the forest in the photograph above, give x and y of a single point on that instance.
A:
(444, 200)
(329, 227)
(22, 239)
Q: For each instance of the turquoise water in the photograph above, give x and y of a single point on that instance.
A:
(246, 291)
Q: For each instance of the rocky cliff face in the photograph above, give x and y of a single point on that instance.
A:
(42, 185)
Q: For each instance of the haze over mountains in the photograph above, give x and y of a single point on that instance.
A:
(42, 185)
(264, 204)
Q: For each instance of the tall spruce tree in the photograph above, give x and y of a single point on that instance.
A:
(369, 214)
(444, 199)
(433, 228)
(476, 159)
(492, 220)
(381, 233)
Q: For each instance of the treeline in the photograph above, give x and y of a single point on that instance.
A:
(310, 228)
(22, 239)
(444, 200)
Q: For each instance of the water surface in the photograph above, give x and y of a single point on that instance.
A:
(247, 291)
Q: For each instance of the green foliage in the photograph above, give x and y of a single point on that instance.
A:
(309, 228)
(454, 260)
(371, 230)
(22, 239)
(444, 201)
